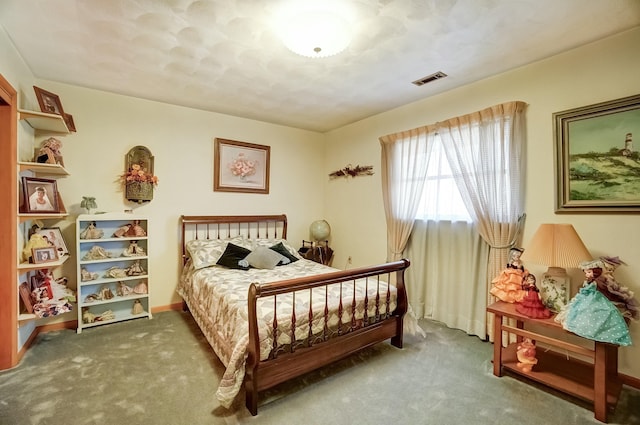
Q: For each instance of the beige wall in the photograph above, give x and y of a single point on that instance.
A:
(598, 72)
(181, 140)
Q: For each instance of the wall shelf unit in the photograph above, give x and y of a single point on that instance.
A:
(113, 279)
(42, 125)
(43, 122)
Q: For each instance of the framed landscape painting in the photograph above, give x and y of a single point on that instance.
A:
(597, 163)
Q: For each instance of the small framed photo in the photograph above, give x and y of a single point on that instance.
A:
(68, 119)
(49, 102)
(40, 195)
(44, 255)
(25, 295)
(240, 167)
(53, 236)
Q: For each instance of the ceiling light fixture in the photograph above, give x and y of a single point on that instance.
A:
(315, 30)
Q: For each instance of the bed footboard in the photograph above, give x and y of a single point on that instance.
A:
(335, 340)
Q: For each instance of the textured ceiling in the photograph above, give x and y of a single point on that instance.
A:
(225, 56)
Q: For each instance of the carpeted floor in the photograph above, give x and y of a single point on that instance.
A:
(162, 371)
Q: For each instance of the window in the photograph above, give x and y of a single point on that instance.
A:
(441, 199)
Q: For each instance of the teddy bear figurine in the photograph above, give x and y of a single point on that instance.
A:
(526, 353)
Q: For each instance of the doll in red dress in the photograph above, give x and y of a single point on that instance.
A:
(531, 305)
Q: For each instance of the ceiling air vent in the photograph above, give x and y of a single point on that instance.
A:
(429, 78)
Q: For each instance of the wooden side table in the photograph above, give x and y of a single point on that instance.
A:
(595, 382)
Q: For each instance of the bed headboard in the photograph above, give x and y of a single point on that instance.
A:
(228, 226)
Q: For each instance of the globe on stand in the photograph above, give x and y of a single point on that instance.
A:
(320, 230)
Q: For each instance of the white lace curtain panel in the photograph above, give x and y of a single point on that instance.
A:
(485, 151)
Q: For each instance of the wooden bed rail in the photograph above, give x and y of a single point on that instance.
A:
(263, 374)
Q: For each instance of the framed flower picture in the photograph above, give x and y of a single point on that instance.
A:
(240, 167)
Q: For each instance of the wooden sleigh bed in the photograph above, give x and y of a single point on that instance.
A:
(270, 325)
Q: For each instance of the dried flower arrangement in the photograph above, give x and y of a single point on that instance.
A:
(138, 174)
(365, 170)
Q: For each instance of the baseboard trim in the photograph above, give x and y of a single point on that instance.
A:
(630, 381)
(170, 307)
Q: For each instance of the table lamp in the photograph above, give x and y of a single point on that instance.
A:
(557, 246)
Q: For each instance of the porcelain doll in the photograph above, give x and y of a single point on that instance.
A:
(507, 286)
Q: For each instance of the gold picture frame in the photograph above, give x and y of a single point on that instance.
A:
(595, 158)
(240, 167)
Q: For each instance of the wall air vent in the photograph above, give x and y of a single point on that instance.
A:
(429, 78)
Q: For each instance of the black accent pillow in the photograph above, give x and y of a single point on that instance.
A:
(282, 250)
(232, 255)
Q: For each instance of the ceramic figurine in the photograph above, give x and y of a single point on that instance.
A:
(526, 353)
(507, 286)
(133, 250)
(86, 275)
(116, 272)
(141, 288)
(123, 290)
(137, 307)
(136, 229)
(531, 305)
(97, 253)
(91, 232)
(122, 231)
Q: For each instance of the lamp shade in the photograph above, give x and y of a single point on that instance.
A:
(556, 245)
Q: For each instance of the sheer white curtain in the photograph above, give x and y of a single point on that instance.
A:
(452, 266)
(405, 158)
(485, 150)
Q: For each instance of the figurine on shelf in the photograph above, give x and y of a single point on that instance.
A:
(85, 275)
(97, 253)
(107, 315)
(49, 152)
(123, 289)
(135, 269)
(619, 295)
(526, 353)
(136, 229)
(106, 293)
(133, 250)
(137, 307)
(531, 305)
(590, 314)
(122, 231)
(91, 232)
(115, 272)
(140, 288)
(88, 203)
(87, 316)
(507, 286)
(92, 298)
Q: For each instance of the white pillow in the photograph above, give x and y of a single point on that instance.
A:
(264, 258)
(271, 242)
(207, 252)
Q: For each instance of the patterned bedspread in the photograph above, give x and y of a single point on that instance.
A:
(217, 298)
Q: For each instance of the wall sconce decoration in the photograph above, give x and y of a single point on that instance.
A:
(139, 179)
(365, 170)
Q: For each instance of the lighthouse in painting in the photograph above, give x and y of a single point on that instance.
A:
(628, 145)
